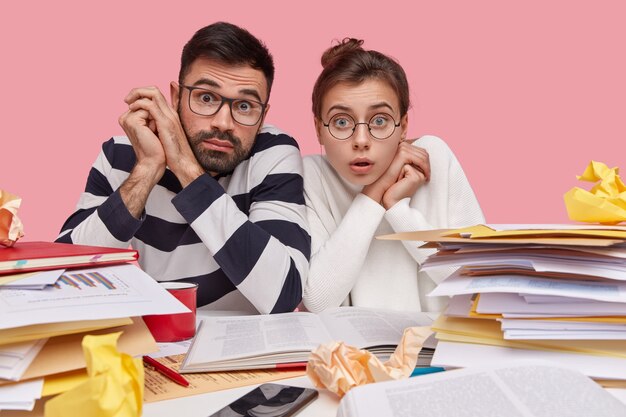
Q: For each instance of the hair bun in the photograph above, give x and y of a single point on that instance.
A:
(343, 48)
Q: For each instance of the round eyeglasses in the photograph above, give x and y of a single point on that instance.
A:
(342, 126)
(207, 103)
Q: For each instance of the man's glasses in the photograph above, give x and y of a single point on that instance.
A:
(206, 103)
(342, 126)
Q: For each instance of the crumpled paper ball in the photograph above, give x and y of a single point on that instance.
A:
(11, 228)
(605, 203)
(339, 367)
(114, 387)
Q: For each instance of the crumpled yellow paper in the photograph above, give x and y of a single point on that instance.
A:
(114, 388)
(339, 367)
(11, 228)
(605, 203)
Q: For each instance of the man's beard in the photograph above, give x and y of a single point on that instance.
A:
(217, 161)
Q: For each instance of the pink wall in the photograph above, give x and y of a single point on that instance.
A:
(526, 94)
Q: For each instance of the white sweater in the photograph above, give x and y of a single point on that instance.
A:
(348, 266)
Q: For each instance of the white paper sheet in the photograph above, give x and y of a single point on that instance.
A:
(174, 348)
(34, 280)
(602, 291)
(502, 303)
(612, 268)
(462, 355)
(564, 335)
(551, 299)
(517, 324)
(459, 305)
(18, 405)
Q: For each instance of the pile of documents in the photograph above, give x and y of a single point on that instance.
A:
(555, 292)
(44, 316)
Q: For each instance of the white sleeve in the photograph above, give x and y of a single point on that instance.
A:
(403, 218)
(338, 255)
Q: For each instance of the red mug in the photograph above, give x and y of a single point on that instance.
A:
(175, 327)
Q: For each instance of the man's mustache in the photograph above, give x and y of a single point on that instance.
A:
(218, 134)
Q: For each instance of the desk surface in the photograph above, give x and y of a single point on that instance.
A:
(204, 404)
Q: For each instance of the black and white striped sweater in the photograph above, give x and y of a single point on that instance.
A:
(241, 236)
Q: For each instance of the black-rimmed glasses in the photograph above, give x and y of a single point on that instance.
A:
(342, 126)
(207, 103)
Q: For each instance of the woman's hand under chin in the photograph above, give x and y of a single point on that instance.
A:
(409, 181)
(409, 169)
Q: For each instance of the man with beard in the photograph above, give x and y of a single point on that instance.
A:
(201, 188)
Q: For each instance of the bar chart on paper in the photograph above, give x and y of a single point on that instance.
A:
(86, 280)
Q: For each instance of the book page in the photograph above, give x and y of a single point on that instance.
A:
(365, 327)
(221, 338)
(522, 390)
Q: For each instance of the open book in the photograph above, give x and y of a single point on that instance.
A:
(523, 389)
(267, 341)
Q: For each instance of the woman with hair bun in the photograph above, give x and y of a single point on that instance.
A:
(373, 181)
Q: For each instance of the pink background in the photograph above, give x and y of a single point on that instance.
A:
(525, 93)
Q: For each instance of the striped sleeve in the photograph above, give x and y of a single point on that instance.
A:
(101, 218)
(264, 252)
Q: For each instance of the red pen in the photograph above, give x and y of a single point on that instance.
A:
(171, 374)
(291, 366)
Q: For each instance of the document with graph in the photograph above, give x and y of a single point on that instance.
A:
(88, 294)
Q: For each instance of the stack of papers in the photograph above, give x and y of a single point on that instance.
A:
(44, 316)
(16, 357)
(20, 396)
(532, 292)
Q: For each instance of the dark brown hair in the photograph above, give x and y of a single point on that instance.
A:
(348, 62)
(228, 44)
